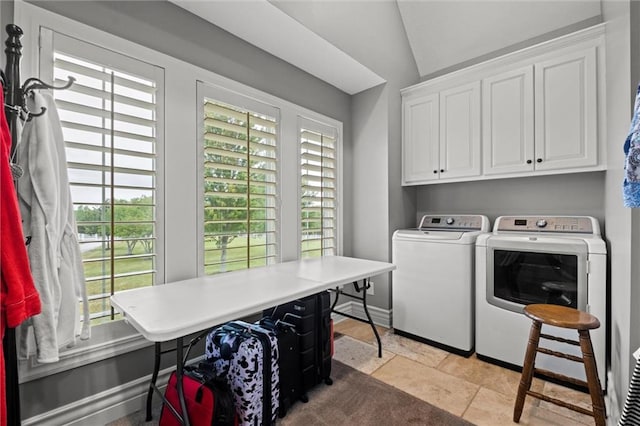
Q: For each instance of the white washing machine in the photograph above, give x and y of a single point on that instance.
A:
(433, 283)
(560, 260)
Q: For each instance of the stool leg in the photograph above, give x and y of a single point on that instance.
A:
(591, 370)
(527, 369)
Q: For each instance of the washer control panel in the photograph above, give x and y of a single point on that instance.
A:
(457, 222)
(559, 224)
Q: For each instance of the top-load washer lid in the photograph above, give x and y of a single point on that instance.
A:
(461, 229)
(419, 234)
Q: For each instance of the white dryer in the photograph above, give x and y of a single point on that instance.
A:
(433, 284)
(560, 260)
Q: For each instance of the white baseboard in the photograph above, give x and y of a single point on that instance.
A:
(103, 407)
(378, 315)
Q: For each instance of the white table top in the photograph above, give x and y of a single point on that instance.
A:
(168, 311)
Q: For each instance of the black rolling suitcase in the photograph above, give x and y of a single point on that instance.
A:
(291, 387)
(312, 318)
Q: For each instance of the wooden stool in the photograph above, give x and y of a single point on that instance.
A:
(561, 316)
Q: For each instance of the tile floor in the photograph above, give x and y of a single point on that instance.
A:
(479, 392)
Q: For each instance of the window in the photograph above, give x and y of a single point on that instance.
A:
(110, 121)
(240, 187)
(318, 179)
(121, 169)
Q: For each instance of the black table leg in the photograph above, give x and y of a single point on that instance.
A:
(363, 299)
(179, 374)
(154, 378)
(366, 311)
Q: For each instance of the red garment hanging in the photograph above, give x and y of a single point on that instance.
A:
(19, 298)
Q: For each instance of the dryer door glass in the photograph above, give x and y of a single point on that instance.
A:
(522, 277)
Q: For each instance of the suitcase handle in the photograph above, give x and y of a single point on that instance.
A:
(229, 345)
(277, 323)
(286, 324)
(289, 314)
(227, 341)
(192, 343)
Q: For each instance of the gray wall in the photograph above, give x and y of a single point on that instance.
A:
(619, 219)
(379, 204)
(568, 194)
(370, 210)
(165, 27)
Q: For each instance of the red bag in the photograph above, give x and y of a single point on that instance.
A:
(209, 400)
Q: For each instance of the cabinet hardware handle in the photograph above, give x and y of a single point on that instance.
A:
(435, 171)
(539, 160)
(529, 161)
(441, 170)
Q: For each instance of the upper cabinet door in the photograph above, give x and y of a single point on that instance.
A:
(460, 131)
(507, 122)
(420, 139)
(566, 127)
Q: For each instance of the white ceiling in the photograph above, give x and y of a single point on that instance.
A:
(350, 44)
(445, 33)
(267, 27)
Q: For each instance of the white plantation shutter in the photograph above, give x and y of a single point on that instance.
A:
(240, 187)
(318, 176)
(110, 124)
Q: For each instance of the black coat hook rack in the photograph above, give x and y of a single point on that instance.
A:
(15, 95)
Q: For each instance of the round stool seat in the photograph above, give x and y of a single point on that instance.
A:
(561, 316)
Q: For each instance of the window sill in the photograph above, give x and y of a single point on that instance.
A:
(107, 341)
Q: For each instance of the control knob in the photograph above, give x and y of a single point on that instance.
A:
(541, 223)
(450, 220)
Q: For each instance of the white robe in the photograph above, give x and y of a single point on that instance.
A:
(54, 252)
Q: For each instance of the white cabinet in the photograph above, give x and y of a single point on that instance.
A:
(441, 135)
(421, 139)
(460, 131)
(566, 114)
(507, 122)
(530, 112)
(557, 94)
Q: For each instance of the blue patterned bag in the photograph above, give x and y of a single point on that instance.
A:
(631, 185)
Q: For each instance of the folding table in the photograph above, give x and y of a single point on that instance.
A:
(174, 310)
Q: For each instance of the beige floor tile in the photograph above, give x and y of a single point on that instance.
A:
(573, 396)
(485, 374)
(490, 408)
(416, 351)
(359, 355)
(478, 391)
(539, 416)
(358, 330)
(440, 389)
